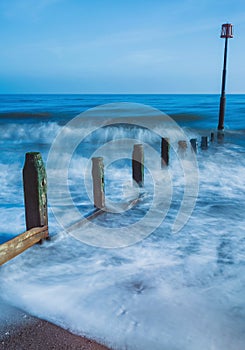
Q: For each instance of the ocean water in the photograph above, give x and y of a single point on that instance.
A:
(166, 273)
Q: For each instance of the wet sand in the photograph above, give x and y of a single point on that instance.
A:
(20, 331)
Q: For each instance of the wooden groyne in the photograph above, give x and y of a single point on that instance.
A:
(35, 193)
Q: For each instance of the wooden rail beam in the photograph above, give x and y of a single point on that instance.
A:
(19, 244)
(97, 212)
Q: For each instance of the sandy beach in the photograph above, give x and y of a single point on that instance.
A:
(20, 331)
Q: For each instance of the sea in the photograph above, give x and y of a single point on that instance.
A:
(163, 268)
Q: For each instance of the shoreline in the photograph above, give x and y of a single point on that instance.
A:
(19, 330)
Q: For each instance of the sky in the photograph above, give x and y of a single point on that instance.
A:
(120, 46)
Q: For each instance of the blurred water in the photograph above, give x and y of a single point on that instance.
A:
(168, 291)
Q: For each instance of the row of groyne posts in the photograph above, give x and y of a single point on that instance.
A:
(35, 192)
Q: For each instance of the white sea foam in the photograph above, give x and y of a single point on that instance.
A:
(167, 292)
(28, 133)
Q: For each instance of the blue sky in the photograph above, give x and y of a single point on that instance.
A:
(114, 46)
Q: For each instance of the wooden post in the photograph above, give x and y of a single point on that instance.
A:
(164, 152)
(220, 136)
(194, 145)
(182, 147)
(212, 137)
(98, 182)
(138, 164)
(35, 191)
(204, 142)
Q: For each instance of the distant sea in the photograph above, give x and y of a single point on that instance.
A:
(61, 108)
(178, 291)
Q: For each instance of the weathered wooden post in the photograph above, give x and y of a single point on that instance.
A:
(212, 137)
(35, 191)
(164, 152)
(194, 145)
(138, 164)
(220, 136)
(204, 142)
(98, 182)
(182, 147)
